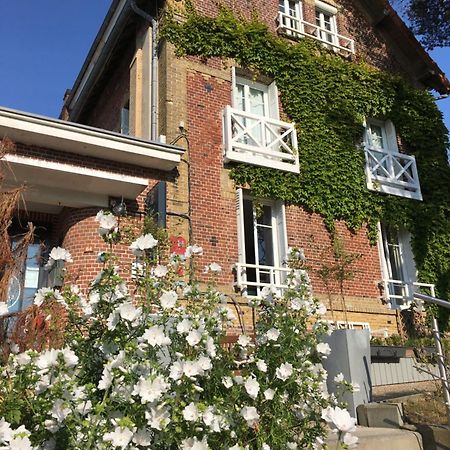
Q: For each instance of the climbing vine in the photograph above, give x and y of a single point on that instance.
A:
(328, 98)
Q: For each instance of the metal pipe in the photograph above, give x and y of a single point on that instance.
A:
(154, 71)
(441, 365)
(434, 300)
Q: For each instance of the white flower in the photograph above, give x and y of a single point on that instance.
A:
(47, 293)
(160, 271)
(168, 299)
(107, 222)
(265, 447)
(142, 243)
(191, 368)
(194, 337)
(106, 379)
(5, 430)
(158, 417)
(339, 378)
(59, 411)
(292, 445)
(205, 363)
(112, 320)
(193, 250)
(323, 348)
(261, 365)
(85, 407)
(58, 254)
(47, 359)
(120, 437)
(227, 382)
(272, 334)
(269, 394)
(20, 443)
(244, 340)
(184, 326)
(23, 358)
(252, 387)
(211, 347)
(70, 358)
(151, 390)
(176, 370)
(190, 413)
(350, 440)
(250, 414)
(129, 312)
(284, 371)
(321, 309)
(211, 420)
(143, 437)
(155, 336)
(3, 308)
(194, 444)
(214, 267)
(339, 418)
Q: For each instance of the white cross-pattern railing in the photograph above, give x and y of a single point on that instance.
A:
(294, 26)
(392, 172)
(260, 141)
(261, 276)
(399, 294)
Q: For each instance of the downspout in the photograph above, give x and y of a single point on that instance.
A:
(154, 71)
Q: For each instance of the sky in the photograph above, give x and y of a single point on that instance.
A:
(43, 44)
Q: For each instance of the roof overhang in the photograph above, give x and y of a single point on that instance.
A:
(83, 140)
(421, 65)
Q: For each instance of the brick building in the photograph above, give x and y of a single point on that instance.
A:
(133, 94)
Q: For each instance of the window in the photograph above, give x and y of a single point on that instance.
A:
(291, 22)
(262, 244)
(387, 169)
(253, 132)
(326, 23)
(125, 119)
(31, 277)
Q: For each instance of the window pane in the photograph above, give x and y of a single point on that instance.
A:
(239, 100)
(376, 136)
(281, 7)
(265, 246)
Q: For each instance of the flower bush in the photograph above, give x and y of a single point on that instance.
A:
(144, 366)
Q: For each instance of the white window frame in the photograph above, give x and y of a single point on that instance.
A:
(323, 9)
(390, 179)
(407, 282)
(278, 270)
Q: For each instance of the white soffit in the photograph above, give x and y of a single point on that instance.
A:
(79, 139)
(59, 184)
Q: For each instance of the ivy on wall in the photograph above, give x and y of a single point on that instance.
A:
(328, 98)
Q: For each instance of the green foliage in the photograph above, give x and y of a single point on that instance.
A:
(328, 98)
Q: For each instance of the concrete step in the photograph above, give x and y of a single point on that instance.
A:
(382, 439)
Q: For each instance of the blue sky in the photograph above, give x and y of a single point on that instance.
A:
(43, 44)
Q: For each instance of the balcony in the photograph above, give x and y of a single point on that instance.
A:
(297, 27)
(399, 294)
(260, 141)
(392, 173)
(252, 278)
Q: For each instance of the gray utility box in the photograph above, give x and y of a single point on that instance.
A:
(350, 355)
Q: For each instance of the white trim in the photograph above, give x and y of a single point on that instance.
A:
(325, 7)
(83, 140)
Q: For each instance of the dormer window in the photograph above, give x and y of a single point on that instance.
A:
(291, 21)
(253, 133)
(387, 169)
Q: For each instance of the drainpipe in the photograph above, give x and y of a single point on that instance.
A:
(154, 72)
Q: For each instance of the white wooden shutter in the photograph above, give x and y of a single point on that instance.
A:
(391, 136)
(233, 87)
(282, 232)
(240, 225)
(272, 93)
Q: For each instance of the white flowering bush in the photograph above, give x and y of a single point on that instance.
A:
(144, 367)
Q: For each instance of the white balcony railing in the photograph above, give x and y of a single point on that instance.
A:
(252, 278)
(294, 26)
(392, 173)
(260, 141)
(399, 294)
